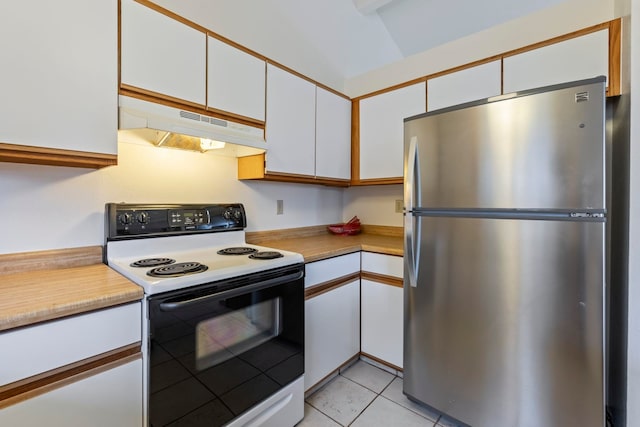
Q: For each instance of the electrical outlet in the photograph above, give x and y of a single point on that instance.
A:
(399, 206)
(279, 207)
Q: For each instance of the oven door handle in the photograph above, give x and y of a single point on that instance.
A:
(177, 305)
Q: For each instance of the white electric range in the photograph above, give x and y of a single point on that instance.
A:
(223, 338)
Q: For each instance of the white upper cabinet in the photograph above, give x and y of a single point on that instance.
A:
(574, 59)
(470, 84)
(333, 135)
(162, 55)
(59, 75)
(290, 127)
(382, 127)
(236, 80)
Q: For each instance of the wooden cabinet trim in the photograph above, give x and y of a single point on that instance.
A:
(382, 278)
(225, 115)
(614, 38)
(325, 287)
(149, 95)
(382, 362)
(158, 98)
(322, 382)
(215, 35)
(615, 29)
(355, 141)
(15, 153)
(378, 181)
(253, 167)
(36, 385)
(613, 89)
(558, 39)
(310, 80)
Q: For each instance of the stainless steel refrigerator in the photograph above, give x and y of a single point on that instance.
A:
(505, 258)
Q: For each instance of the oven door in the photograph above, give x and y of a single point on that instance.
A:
(217, 350)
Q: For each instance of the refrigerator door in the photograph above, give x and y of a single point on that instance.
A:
(505, 325)
(543, 150)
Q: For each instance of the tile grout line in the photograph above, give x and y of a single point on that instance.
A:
(320, 410)
(367, 388)
(435, 422)
(376, 396)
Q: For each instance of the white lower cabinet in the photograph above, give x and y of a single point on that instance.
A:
(382, 317)
(332, 315)
(110, 398)
(82, 370)
(382, 307)
(332, 331)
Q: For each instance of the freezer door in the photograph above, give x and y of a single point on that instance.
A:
(505, 325)
(540, 151)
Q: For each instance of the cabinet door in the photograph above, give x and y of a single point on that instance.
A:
(290, 127)
(574, 59)
(467, 85)
(332, 331)
(67, 340)
(382, 320)
(162, 55)
(381, 130)
(110, 398)
(329, 269)
(59, 75)
(333, 135)
(235, 80)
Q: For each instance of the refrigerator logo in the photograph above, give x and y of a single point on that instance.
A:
(586, 215)
(582, 96)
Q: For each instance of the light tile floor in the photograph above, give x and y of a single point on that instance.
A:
(366, 396)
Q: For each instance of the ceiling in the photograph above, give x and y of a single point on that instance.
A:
(336, 40)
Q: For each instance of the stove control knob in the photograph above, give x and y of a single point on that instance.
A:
(227, 214)
(142, 217)
(237, 215)
(124, 218)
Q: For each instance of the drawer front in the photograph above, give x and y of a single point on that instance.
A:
(332, 268)
(40, 348)
(388, 265)
(106, 399)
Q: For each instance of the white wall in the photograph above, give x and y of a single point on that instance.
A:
(47, 207)
(564, 18)
(373, 205)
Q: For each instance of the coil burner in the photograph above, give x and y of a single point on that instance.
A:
(152, 262)
(266, 255)
(177, 270)
(238, 250)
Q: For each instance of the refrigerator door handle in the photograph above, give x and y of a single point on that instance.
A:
(411, 182)
(412, 237)
(412, 247)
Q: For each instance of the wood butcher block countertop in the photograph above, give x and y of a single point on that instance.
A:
(44, 291)
(315, 243)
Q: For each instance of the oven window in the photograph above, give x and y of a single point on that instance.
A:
(229, 335)
(213, 360)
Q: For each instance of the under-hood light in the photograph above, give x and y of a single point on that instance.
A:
(170, 127)
(162, 140)
(211, 144)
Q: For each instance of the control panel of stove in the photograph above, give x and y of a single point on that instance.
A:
(126, 220)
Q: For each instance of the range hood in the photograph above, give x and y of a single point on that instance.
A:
(165, 126)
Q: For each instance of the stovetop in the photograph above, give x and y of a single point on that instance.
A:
(192, 247)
